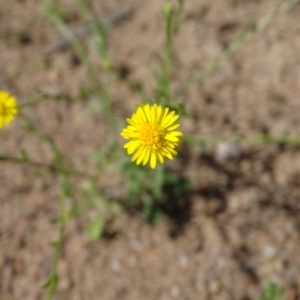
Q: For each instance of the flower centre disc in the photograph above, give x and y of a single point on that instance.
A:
(150, 135)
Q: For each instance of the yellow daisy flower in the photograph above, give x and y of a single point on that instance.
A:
(8, 108)
(151, 134)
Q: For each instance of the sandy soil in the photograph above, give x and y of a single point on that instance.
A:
(238, 226)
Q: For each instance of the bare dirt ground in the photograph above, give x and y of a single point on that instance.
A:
(238, 227)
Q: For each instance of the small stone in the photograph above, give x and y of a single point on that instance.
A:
(116, 266)
(227, 151)
(175, 291)
(183, 261)
(269, 251)
(136, 245)
(64, 284)
(213, 287)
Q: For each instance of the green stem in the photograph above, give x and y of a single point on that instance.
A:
(51, 168)
(84, 57)
(237, 44)
(255, 139)
(43, 97)
(168, 64)
(52, 282)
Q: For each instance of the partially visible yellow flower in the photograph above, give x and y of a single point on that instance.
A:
(151, 134)
(8, 108)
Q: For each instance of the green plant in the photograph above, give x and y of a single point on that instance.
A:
(272, 292)
(146, 190)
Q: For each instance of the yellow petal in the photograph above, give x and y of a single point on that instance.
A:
(170, 137)
(128, 135)
(140, 112)
(160, 158)
(172, 126)
(170, 121)
(147, 113)
(146, 156)
(139, 160)
(137, 118)
(167, 118)
(153, 161)
(132, 122)
(172, 152)
(153, 114)
(159, 111)
(167, 154)
(163, 115)
(132, 146)
(137, 154)
(177, 133)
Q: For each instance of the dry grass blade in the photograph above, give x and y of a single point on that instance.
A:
(83, 31)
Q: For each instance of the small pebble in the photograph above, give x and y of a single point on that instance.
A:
(269, 251)
(116, 266)
(213, 287)
(227, 151)
(183, 261)
(175, 291)
(136, 245)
